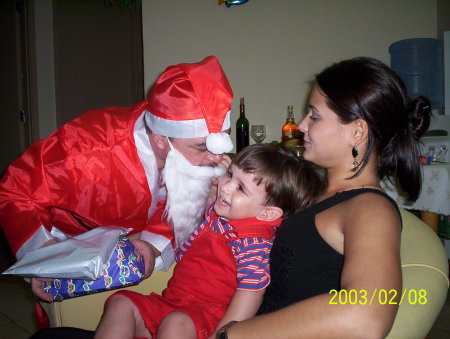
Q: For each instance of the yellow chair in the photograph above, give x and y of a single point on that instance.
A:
(425, 282)
(425, 279)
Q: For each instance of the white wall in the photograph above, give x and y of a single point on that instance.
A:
(270, 49)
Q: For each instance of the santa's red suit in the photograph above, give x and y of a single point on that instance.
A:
(98, 169)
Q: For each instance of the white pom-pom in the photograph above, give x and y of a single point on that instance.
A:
(219, 171)
(219, 143)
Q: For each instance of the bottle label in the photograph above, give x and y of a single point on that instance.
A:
(242, 138)
(291, 138)
(288, 135)
(291, 143)
(292, 134)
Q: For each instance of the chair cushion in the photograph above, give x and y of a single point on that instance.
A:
(425, 282)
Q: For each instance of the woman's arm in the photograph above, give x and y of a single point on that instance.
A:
(243, 305)
(371, 246)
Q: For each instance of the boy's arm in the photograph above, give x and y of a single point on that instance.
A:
(243, 305)
(253, 276)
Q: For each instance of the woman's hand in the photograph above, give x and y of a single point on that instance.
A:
(149, 253)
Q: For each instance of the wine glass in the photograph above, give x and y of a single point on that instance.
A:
(258, 133)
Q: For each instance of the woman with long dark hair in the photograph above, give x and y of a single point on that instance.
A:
(360, 127)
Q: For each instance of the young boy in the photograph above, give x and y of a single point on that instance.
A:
(223, 269)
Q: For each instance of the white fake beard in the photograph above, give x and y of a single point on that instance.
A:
(187, 192)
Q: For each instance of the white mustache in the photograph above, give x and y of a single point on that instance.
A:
(197, 172)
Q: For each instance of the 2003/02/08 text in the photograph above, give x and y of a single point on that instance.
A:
(380, 296)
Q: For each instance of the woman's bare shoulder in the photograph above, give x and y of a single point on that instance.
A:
(370, 209)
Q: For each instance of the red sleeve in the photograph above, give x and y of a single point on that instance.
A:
(25, 198)
(85, 174)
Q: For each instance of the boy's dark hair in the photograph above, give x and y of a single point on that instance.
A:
(291, 183)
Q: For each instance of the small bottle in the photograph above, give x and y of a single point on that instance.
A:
(291, 137)
(242, 134)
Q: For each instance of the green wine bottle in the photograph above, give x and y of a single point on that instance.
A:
(242, 134)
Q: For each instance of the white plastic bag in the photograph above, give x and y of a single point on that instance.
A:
(79, 257)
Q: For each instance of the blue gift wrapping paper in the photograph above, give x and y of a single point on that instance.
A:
(125, 268)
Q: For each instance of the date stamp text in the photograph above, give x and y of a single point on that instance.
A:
(379, 296)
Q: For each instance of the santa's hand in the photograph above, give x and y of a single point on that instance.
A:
(38, 289)
(148, 252)
(37, 283)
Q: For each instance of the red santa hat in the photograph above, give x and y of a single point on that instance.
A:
(192, 101)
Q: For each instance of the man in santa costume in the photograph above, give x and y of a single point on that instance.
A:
(119, 166)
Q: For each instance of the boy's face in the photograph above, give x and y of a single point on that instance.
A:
(239, 196)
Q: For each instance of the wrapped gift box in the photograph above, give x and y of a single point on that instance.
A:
(125, 268)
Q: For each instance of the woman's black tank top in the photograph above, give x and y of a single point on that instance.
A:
(302, 264)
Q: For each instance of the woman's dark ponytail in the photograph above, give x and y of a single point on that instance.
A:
(400, 157)
(419, 111)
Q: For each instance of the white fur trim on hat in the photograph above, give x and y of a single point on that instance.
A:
(181, 128)
(219, 143)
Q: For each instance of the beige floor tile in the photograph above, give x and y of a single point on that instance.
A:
(18, 309)
(17, 302)
(28, 324)
(4, 319)
(13, 331)
(13, 288)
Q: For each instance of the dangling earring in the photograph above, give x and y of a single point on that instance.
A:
(354, 155)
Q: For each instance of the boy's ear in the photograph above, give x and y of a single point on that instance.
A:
(270, 213)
